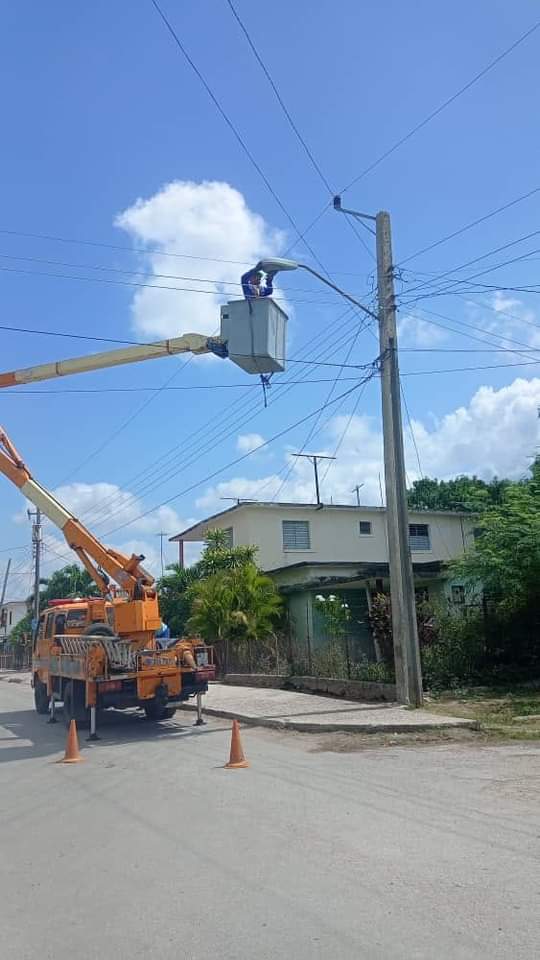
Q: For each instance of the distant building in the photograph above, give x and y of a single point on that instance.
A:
(312, 550)
(11, 613)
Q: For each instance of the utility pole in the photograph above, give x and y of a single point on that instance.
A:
(315, 457)
(36, 555)
(356, 490)
(405, 631)
(161, 534)
(3, 621)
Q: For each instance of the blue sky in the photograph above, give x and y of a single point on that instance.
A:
(101, 110)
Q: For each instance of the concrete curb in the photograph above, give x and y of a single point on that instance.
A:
(303, 726)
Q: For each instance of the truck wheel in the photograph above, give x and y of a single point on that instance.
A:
(74, 704)
(156, 711)
(41, 699)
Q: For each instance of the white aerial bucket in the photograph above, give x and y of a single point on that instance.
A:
(255, 332)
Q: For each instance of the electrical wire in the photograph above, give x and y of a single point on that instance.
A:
(505, 246)
(442, 106)
(233, 129)
(147, 273)
(186, 458)
(468, 226)
(151, 286)
(161, 467)
(17, 392)
(431, 116)
(292, 123)
(237, 460)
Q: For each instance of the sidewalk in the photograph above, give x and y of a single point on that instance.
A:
(308, 713)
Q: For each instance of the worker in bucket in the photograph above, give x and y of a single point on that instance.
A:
(252, 285)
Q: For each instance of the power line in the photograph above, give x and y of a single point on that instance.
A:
(179, 462)
(135, 283)
(469, 226)
(424, 122)
(16, 391)
(469, 263)
(446, 103)
(237, 460)
(292, 123)
(163, 468)
(495, 366)
(233, 128)
(143, 273)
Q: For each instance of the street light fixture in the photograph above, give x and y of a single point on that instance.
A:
(275, 264)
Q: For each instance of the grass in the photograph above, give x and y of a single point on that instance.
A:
(512, 713)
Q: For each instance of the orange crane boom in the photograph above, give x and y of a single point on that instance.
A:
(100, 561)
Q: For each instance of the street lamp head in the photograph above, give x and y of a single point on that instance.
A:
(273, 264)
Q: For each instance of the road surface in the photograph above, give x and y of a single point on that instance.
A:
(150, 849)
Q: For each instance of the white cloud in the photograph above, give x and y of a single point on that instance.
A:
(495, 434)
(248, 442)
(208, 219)
(415, 332)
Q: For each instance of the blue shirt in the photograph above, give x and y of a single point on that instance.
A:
(251, 290)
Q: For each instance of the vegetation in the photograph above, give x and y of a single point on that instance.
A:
(224, 598)
(469, 494)
(234, 608)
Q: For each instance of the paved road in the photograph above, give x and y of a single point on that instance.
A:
(151, 850)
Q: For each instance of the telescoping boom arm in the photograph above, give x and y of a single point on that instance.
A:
(189, 343)
(101, 562)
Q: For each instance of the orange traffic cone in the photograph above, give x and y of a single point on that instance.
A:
(72, 754)
(237, 759)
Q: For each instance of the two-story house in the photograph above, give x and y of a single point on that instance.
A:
(313, 550)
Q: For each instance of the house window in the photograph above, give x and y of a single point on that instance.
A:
(419, 536)
(458, 594)
(10, 617)
(421, 594)
(228, 537)
(296, 535)
(365, 528)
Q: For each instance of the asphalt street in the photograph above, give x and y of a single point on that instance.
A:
(150, 849)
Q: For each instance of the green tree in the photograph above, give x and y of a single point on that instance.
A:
(469, 494)
(68, 582)
(217, 555)
(505, 560)
(234, 608)
(174, 599)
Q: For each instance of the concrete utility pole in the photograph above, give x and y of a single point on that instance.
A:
(36, 550)
(315, 457)
(405, 631)
(5, 583)
(3, 617)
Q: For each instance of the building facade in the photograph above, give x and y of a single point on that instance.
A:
(11, 613)
(316, 551)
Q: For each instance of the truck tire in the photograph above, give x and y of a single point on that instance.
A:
(74, 704)
(156, 711)
(41, 698)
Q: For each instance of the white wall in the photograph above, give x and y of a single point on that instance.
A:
(335, 534)
(15, 611)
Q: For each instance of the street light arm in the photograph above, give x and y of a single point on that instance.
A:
(347, 296)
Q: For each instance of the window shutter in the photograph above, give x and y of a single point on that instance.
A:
(296, 535)
(419, 536)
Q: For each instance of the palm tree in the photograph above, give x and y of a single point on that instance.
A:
(234, 608)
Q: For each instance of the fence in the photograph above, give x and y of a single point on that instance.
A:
(19, 660)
